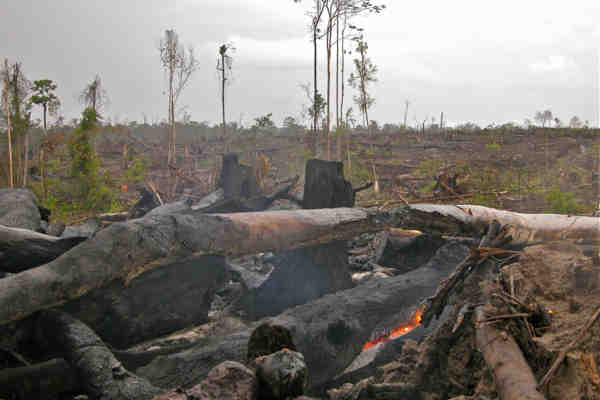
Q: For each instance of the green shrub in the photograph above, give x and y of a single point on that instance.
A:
(562, 202)
(136, 172)
(89, 189)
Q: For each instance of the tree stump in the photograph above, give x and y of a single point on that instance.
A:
(237, 181)
(303, 275)
(325, 186)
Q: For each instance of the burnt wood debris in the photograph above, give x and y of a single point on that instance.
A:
(75, 301)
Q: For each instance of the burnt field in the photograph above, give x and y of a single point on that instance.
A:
(251, 269)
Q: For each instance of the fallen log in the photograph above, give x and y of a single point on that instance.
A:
(512, 375)
(101, 375)
(526, 229)
(329, 331)
(159, 301)
(302, 275)
(238, 204)
(125, 250)
(19, 209)
(48, 379)
(22, 249)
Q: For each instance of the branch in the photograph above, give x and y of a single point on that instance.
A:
(563, 353)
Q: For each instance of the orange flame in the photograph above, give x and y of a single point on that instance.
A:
(400, 330)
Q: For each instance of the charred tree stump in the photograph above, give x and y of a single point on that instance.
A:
(303, 275)
(325, 186)
(144, 205)
(101, 375)
(237, 181)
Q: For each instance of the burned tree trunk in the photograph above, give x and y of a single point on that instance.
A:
(237, 180)
(125, 250)
(101, 375)
(325, 186)
(512, 375)
(302, 275)
(49, 379)
(237, 204)
(158, 302)
(22, 249)
(526, 229)
(329, 331)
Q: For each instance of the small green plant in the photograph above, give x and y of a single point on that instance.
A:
(428, 188)
(492, 146)
(562, 202)
(136, 172)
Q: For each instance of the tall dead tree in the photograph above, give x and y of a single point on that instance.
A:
(365, 73)
(94, 95)
(8, 124)
(179, 65)
(224, 68)
(18, 109)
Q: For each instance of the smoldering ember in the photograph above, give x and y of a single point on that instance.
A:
(314, 252)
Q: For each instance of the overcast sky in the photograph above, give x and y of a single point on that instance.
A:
(481, 61)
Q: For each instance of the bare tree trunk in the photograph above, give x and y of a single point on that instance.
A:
(45, 129)
(406, 113)
(9, 128)
(171, 135)
(315, 90)
(328, 126)
(338, 117)
(26, 157)
(223, 95)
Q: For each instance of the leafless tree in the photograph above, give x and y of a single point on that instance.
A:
(543, 117)
(224, 62)
(575, 122)
(365, 73)
(18, 109)
(179, 65)
(5, 97)
(94, 95)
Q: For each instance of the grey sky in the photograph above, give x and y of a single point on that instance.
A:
(479, 61)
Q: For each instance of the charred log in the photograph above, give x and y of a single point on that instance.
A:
(19, 209)
(302, 275)
(406, 253)
(329, 331)
(147, 202)
(268, 339)
(160, 301)
(101, 375)
(125, 250)
(257, 203)
(22, 249)
(48, 380)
